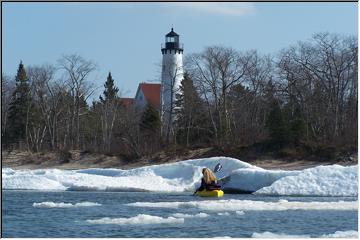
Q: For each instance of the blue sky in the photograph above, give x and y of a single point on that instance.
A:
(125, 38)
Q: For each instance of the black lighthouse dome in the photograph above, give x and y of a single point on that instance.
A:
(172, 43)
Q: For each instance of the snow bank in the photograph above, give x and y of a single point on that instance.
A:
(332, 180)
(185, 176)
(64, 205)
(337, 234)
(249, 205)
(141, 219)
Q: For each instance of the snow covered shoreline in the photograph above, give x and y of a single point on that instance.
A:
(184, 176)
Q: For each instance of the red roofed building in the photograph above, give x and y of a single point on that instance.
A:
(127, 102)
(148, 93)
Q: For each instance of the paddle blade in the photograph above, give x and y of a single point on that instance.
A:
(224, 180)
(217, 167)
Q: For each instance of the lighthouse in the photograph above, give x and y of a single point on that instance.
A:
(171, 76)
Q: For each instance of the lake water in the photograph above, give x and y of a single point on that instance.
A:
(116, 215)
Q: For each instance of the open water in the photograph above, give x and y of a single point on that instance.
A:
(111, 216)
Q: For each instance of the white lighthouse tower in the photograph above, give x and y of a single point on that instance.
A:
(171, 76)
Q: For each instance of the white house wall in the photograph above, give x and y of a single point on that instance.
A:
(140, 100)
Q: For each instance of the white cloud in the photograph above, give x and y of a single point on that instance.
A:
(233, 9)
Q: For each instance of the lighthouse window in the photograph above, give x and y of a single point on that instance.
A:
(170, 39)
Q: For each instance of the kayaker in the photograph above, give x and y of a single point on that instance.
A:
(208, 181)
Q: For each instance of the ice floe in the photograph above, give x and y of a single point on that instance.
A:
(141, 219)
(224, 214)
(342, 234)
(337, 234)
(184, 215)
(277, 235)
(240, 212)
(64, 205)
(249, 205)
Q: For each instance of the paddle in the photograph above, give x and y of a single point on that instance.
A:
(217, 168)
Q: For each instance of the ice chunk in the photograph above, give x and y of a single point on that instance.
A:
(64, 205)
(109, 172)
(224, 214)
(337, 234)
(331, 180)
(252, 179)
(182, 215)
(239, 212)
(342, 234)
(141, 219)
(276, 235)
(27, 180)
(249, 205)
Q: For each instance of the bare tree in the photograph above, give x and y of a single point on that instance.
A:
(319, 76)
(110, 112)
(77, 70)
(248, 108)
(47, 95)
(215, 71)
(7, 87)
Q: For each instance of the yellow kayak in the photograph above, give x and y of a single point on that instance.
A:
(212, 193)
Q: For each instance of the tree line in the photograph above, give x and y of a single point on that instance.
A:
(306, 94)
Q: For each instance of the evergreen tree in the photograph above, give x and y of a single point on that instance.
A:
(149, 126)
(92, 127)
(188, 111)
(297, 127)
(110, 92)
(276, 125)
(150, 120)
(19, 108)
(110, 106)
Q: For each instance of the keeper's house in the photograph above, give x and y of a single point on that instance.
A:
(147, 93)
